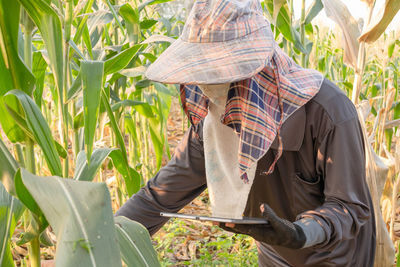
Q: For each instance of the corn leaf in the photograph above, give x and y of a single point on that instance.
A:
(81, 216)
(277, 7)
(339, 13)
(119, 157)
(48, 22)
(10, 207)
(86, 172)
(121, 60)
(39, 66)
(132, 25)
(151, 2)
(92, 80)
(135, 243)
(10, 211)
(13, 72)
(39, 128)
(313, 11)
(382, 20)
(143, 108)
(75, 88)
(131, 177)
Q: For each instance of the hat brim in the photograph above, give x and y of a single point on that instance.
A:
(215, 62)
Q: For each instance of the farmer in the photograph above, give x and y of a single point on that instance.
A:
(267, 138)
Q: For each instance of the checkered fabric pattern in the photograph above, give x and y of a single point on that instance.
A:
(222, 41)
(256, 107)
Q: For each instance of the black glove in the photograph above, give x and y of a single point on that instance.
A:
(279, 232)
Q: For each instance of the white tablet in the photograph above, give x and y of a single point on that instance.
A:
(245, 220)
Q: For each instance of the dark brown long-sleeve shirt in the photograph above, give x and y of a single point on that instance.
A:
(321, 174)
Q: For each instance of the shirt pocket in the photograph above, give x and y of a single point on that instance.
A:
(307, 194)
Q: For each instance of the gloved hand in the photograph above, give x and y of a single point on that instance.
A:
(279, 232)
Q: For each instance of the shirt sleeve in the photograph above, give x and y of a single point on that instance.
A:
(173, 187)
(340, 159)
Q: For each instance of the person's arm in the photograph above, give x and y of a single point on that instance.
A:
(173, 187)
(341, 161)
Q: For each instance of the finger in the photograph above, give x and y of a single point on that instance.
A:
(215, 223)
(268, 213)
(231, 225)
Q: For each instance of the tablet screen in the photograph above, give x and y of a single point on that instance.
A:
(244, 220)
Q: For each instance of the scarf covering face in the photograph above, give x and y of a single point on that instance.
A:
(257, 107)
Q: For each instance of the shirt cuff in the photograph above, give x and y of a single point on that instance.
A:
(313, 231)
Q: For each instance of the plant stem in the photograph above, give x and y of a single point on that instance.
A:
(67, 31)
(302, 32)
(359, 70)
(34, 252)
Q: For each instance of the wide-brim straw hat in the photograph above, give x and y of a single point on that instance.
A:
(222, 41)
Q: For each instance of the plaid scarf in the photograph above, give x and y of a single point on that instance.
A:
(257, 107)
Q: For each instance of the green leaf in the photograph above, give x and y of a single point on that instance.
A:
(142, 107)
(10, 212)
(131, 17)
(119, 157)
(39, 66)
(40, 130)
(10, 207)
(13, 72)
(11, 129)
(75, 88)
(85, 229)
(135, 243)
(158, 38)
(313, 11)
(151, 2)
(48, 22)
(121, 60)
(86, 172)
(40, 222)
(391, 48)
(147, 23)
(131, 176)
(92, 80)
(133, 72)
(8, 167)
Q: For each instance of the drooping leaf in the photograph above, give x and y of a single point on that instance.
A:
(39, 128)
(48, 22)
(381, 21)
(339, 13)
(119, 157)
(85, 171)
(80, 214)
(131, 177)
(313, 11)
(142, 107)
(135, 243)
(121, 60)
(92, 81)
